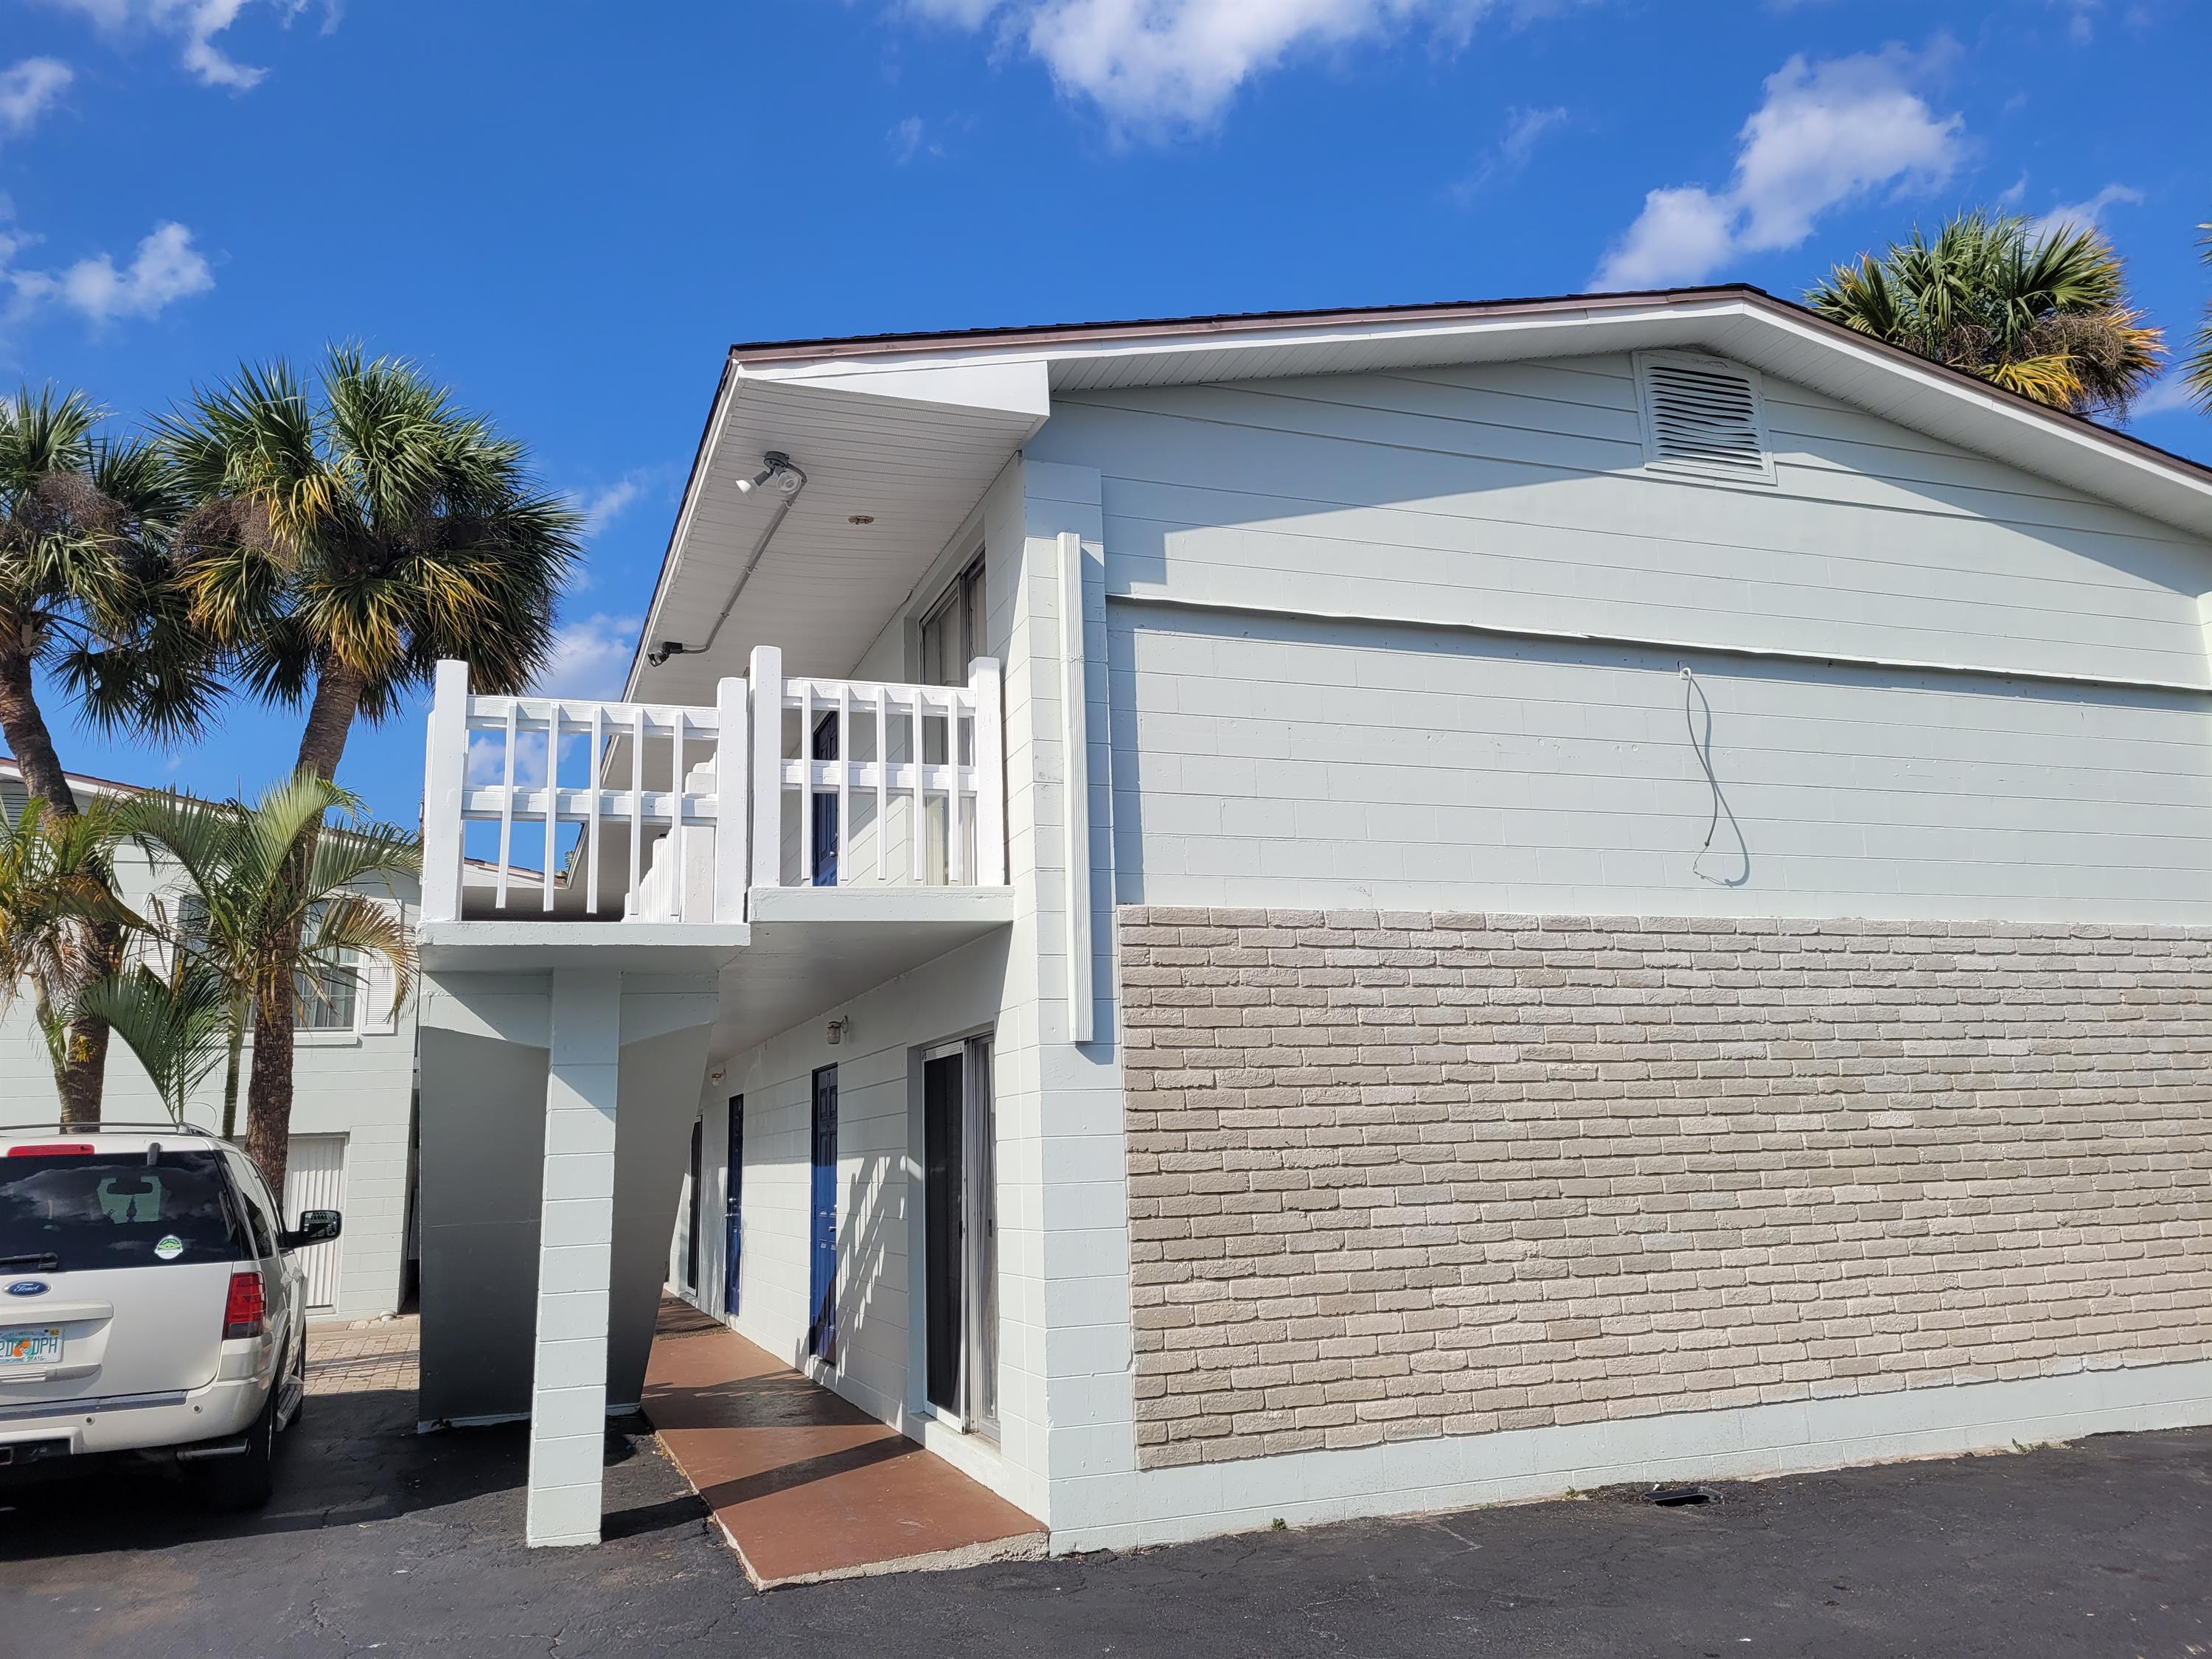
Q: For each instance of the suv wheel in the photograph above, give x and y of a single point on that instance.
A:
(295, 1385)
(245, 1480)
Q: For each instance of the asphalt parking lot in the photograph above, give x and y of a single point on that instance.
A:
(384, 1540)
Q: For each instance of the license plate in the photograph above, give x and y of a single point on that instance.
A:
(31, 1345)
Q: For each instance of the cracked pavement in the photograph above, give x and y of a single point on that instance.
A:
(382, 1540)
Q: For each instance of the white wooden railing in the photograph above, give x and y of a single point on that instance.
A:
(911, 794)
(917, 780)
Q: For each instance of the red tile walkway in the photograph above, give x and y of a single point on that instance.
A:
(805, 1485)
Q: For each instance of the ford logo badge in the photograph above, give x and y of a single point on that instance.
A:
(28, 1287)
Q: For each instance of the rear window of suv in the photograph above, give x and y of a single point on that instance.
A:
(76, 1212)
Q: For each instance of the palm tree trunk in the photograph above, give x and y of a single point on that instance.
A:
(330, 716)
(80, 1078)
(269, 1092)
(28, 740)
(230, 1072)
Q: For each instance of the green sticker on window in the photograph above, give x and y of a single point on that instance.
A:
(170, 1248)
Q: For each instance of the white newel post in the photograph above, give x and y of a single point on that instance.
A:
(984, 679)
(767, 678)
(445, 775)
(575, 1259)
(732, 816)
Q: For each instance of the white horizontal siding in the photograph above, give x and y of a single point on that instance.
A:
(1259, 762)
(1514, 495)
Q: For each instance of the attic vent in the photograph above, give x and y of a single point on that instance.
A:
(1702, 416)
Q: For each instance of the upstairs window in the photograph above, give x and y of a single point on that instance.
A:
(952, 631)
(1704, 416)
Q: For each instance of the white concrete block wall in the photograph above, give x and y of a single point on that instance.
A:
(1334, 765)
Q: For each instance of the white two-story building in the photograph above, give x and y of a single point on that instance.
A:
(1329, 914)
(353, 1107)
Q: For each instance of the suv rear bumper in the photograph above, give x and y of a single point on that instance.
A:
(136, 1423)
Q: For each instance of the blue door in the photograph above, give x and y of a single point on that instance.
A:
(822, 1271)
(824, 850)
(733, 1227)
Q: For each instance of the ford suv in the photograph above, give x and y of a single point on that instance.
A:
(151, 1305)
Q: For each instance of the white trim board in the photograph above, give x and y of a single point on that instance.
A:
(1164, 1506)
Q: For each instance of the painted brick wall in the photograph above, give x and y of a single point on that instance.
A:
(1393, 1176)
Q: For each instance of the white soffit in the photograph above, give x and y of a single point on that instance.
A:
(873, 448)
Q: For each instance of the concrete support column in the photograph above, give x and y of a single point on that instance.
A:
(576, 1258)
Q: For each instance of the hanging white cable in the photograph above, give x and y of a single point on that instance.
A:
(1702, 747)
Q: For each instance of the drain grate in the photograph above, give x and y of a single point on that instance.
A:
(1681, 1498)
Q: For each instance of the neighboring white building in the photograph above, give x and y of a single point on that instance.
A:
(1636, 900)
(353, 1109)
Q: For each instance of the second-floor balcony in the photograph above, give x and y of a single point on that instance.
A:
(564, 822)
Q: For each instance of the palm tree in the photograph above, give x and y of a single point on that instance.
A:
(85, 592)
(260, 925)
(2196, 372)
(85, 589)
(58, 909)
(2045, 315)
(346, 538)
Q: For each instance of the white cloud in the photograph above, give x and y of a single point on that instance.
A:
(601, 508)
(1826, 134)
(2086, 215)
(1524, 130)
(1161, 65)
(2081, 23)
(28, 89)
(910, 138)
(166, 268)
(196, 23)
(591, 658)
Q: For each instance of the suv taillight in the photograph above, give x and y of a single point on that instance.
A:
(243, 1308)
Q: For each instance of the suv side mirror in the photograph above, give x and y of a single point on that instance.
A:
(316, 1227)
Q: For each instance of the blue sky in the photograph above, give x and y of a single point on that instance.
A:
(567, 210)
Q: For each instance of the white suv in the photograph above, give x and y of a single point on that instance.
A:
(150, 1303)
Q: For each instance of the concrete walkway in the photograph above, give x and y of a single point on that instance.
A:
(805, 1486)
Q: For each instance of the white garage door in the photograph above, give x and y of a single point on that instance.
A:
(315, 1179)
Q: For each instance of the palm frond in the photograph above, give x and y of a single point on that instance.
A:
(367, 522)
(57, 890)
(2046, 316)
(178, 1027)
(263, 919)
(2196, 371)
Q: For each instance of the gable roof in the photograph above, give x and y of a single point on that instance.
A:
(1737, 321)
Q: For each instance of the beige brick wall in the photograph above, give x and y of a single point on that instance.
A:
(1399, 1176)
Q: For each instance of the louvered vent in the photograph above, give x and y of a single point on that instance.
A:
(1702, 416)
